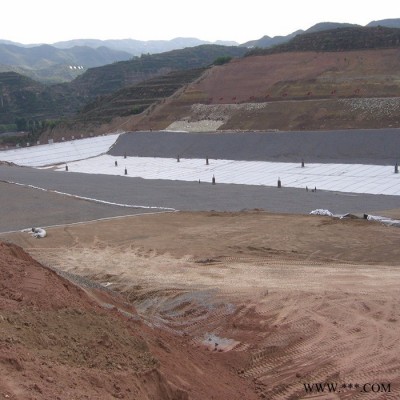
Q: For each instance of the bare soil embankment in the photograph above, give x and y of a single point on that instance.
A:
(279, 300)
(61, 341)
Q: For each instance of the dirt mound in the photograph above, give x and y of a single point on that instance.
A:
(26, 283)
(61, 341)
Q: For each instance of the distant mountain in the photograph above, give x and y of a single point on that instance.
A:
(389, 23)
(3, 41)
(138, 47)
(339, 39)
(45, 55)
(326, 26)
(266, 41)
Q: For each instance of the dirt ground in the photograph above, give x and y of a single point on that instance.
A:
(272, 303)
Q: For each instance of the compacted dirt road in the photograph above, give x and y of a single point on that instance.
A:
(286, 303)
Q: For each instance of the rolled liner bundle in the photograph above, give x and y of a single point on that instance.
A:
(39, 233)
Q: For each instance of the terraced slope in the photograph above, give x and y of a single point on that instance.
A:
(291, 91)
(135, 99)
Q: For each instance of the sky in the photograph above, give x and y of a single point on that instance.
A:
(50, 21)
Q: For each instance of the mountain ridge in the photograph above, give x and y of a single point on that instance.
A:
(138, 47)
(28, 59)
(266, 41)
(337, 39)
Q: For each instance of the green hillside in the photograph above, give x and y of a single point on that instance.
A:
(135, 99)
(22, 97)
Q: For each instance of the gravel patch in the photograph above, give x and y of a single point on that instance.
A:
(374, 107)
(208, 118)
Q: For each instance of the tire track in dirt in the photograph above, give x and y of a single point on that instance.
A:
(268, 362)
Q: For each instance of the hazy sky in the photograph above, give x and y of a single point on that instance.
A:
(49, 21)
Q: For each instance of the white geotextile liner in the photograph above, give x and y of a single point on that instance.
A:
(384, 220)
(57, 153)
(351, 178)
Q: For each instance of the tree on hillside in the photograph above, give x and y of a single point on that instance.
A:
(222, 60)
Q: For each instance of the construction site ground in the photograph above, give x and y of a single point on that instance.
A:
(252, 304)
